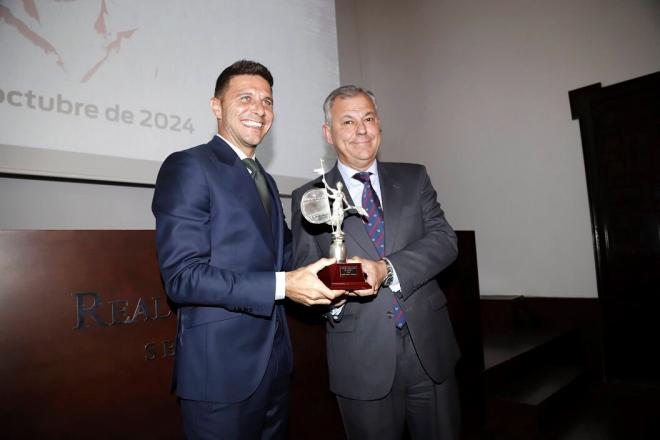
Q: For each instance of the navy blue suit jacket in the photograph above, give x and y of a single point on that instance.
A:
(218, 253)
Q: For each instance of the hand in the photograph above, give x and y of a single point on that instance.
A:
(338, 302)
(376, 271)
(303, 285)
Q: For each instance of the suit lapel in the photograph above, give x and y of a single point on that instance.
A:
(249, 196)
(277, 219)
(392, 196)
(353, 224)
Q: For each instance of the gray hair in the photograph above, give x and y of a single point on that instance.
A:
(344, 92)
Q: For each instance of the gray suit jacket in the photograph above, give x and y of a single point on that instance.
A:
(420, 243)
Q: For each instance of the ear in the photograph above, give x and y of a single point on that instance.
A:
(216, 108)
(327, 133)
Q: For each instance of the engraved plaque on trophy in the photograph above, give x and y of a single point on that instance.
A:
(315, 207)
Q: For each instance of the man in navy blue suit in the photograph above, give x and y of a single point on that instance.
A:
(223, 249)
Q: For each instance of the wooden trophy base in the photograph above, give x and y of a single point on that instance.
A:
(344, 276)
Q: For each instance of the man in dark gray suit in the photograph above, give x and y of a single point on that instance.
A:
(391, 349)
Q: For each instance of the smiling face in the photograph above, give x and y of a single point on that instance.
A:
(244, 111)
(354, 131)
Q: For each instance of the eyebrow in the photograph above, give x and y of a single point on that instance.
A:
(250, 91)
(350, 114)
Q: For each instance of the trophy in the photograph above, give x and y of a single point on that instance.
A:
(315, 207)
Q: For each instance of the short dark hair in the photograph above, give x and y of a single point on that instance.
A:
(241, 67)
(344, 92)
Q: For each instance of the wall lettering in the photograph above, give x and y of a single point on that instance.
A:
(90, 309)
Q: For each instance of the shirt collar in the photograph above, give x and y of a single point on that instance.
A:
(347, 172)
(241, 155)
(354, 186)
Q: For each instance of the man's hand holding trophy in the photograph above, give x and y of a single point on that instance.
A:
(315, 207)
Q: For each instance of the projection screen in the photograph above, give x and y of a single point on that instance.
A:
(105, 90)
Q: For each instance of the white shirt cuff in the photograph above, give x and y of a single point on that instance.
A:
(395, 286)
(280, 288)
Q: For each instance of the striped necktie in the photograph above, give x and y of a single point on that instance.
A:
(376, 230)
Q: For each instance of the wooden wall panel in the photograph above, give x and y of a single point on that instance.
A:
(620, 132)
(86, 340)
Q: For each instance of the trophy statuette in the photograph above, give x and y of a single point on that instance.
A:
(315, 207)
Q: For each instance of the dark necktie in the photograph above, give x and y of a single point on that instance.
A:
(376, 230)
(260, 182)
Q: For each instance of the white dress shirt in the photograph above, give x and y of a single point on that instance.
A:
(279, 276)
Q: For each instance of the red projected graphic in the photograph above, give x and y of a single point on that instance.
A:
(109, 42)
